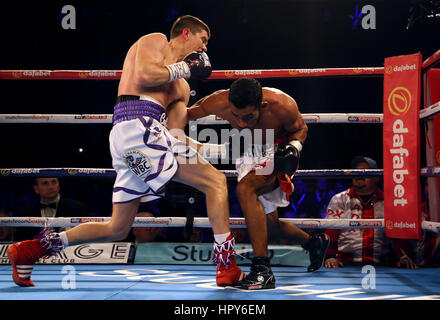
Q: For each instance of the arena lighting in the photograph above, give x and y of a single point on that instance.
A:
(356, 16)
(423, 11)
(173, 15)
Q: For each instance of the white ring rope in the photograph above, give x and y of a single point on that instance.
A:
(430, 111)
(361, 118)
(204, 222)
(208, 120)
(110, 173)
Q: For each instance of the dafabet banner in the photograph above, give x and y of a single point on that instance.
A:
(401, 143)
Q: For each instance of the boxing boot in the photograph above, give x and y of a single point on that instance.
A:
(317, 247)
(23, 255)
(261, 276)
(228, 273)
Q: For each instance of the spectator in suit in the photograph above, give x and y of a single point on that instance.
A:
(51, 204)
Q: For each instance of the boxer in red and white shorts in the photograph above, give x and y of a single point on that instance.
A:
(248, 106)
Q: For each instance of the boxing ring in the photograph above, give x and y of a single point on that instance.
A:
(189, 282)
(171, 282)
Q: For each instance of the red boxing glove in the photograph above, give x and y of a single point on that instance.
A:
(286, 184)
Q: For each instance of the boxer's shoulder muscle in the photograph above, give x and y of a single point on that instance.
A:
(156, 39)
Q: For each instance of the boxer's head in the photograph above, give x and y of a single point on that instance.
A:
(246, 97)
(195, 32)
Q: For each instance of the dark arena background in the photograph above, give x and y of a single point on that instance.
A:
(246, 35)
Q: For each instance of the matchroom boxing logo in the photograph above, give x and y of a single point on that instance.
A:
(399, 102)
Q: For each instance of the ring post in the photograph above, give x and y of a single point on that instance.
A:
(432, 95)
(401, 154)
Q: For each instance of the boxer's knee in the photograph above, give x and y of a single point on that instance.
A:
(273, 223)
(221, 186)
(215, 182)
(244, 191)
(221, 180)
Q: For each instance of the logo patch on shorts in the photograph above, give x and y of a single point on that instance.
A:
(163, 119)
(157, 132)
(138, 163)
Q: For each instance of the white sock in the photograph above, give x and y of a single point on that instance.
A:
(63, 237)
(220, 238)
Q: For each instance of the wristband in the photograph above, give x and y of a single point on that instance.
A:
(178, 70)
(297, 144)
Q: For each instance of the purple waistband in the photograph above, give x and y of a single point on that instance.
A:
(133, 109)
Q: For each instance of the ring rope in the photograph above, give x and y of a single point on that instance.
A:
(110, 173)
(430, 171)
(432, 60)
(208, 120)
(217, 74)
(430, 111)
(362, 118)
(204, 222)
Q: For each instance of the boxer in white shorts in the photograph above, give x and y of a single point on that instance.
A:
(250, 164)
(145, 155)
(248, 106)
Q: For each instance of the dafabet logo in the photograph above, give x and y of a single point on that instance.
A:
(399, 101)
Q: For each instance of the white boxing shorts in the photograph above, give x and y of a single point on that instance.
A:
(143, 151)
(271, 200)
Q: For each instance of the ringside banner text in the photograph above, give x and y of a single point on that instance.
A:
(90, 253)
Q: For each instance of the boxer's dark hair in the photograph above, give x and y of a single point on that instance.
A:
(192, 23)
(245, 92)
